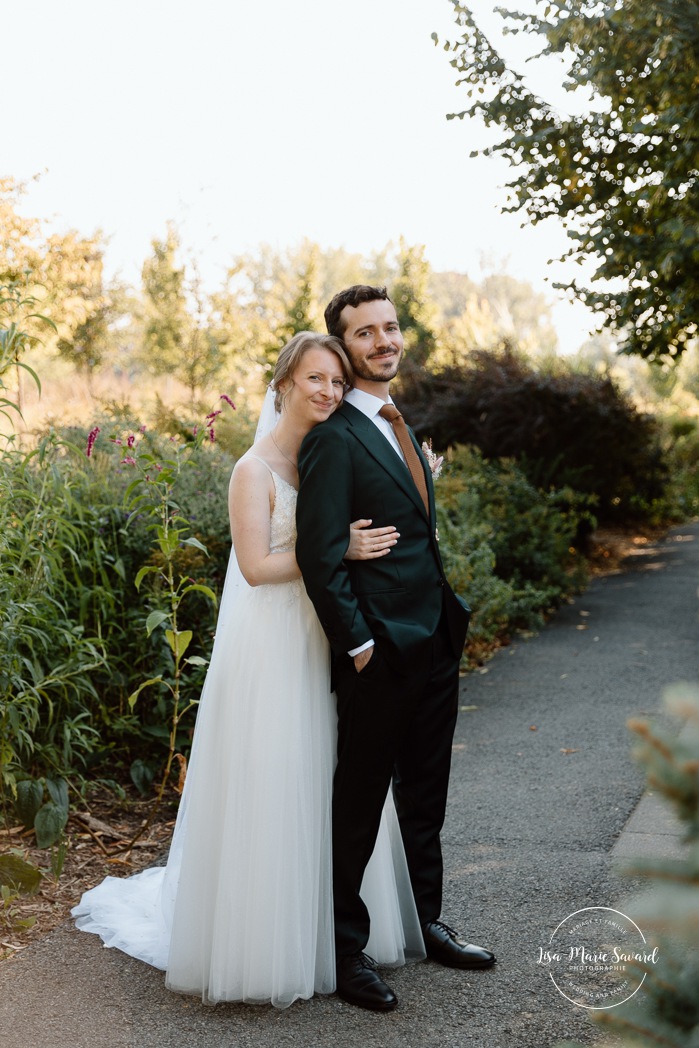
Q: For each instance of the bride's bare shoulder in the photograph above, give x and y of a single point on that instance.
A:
(251, 473)
(252, 464)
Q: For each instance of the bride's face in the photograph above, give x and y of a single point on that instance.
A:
(316, 387)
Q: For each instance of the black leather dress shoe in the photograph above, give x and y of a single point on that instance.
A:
(358, 983)
(444, 946)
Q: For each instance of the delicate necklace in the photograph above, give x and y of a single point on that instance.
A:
(282, 453)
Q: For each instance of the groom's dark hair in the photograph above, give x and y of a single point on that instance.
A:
(351, 296)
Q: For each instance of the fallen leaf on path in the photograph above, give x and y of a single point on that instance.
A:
(568, 750)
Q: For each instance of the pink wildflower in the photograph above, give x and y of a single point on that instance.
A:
(141, 429)
(130, 440)
(212, 435)
(224, 396)
(91, 438)
(195, 431)
(213, 415)
(117, 441)
(128, 461)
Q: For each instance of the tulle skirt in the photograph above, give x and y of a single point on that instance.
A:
(243, 909)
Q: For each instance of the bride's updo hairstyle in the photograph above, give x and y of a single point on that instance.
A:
(291, 355)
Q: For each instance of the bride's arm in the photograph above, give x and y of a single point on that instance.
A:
(250, 502)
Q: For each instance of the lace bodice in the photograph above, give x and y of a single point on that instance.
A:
(283, 522)
(282, 538)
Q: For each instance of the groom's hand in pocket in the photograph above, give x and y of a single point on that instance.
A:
(363, 658)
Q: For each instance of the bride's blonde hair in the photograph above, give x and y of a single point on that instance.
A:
(291, 355)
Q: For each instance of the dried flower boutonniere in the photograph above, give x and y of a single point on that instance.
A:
(434, 461)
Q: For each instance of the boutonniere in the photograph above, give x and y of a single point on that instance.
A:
(434, 461)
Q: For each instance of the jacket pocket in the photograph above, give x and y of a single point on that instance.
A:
(374, 576)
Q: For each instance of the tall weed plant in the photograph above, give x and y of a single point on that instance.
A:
(151, 496)
(139, 736)
(46, 656)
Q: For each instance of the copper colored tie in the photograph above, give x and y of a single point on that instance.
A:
(393, 415)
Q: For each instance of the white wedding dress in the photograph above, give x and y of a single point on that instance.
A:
(243, 909)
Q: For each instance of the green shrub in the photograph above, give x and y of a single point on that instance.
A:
(71, 622)
(682, 455)
(127, 546)
(508, 547)
(47, 655)
(565, 428)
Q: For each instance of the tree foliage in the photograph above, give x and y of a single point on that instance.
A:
(623, 177)
(560, 424)
(414, 307)
(180, 335)
(63, 273)
(168, 322)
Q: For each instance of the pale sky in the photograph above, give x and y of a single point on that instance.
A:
(263, 121)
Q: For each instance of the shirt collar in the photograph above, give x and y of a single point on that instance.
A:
(367, 403)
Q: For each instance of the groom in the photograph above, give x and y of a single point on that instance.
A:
(396, 630)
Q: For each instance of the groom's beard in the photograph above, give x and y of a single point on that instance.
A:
(376, 369)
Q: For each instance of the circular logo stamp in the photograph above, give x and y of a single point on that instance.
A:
(597, 957)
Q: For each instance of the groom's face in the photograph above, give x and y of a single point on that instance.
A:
(373, 341)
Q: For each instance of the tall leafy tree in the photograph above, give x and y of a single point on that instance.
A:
(181, 331)
(522, 315)
(302, 310)
(411, 296)
(167, 322)
(234, 326)
(20, 237)
(276, 295)
(623, 177)
(76, 265)
(62, 273)
(205, 357)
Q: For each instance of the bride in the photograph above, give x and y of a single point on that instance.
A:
(243, 909)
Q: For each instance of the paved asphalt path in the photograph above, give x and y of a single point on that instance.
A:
(544, 799)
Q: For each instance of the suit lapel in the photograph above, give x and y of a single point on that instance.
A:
(380, 450)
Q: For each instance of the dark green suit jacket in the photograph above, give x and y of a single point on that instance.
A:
(348, 470)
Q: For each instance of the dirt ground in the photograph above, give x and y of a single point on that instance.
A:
(96, 845)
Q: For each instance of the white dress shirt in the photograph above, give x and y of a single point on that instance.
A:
(370, 406)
